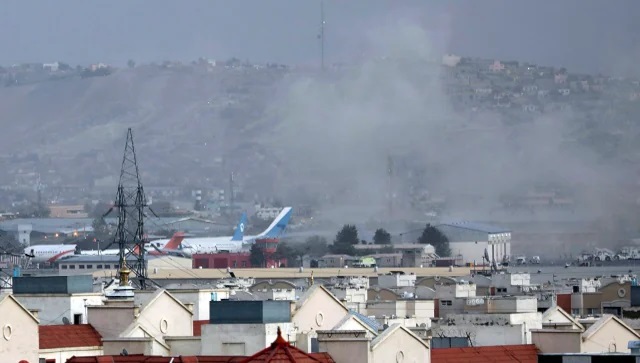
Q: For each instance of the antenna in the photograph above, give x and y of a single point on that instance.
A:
(321, 35)
(390, 168)
(65, 321)
(231, 193)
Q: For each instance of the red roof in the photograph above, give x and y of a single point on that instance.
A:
(139, 358)
(281, 351)
(500, 353)
(197, 327)
(68, 336)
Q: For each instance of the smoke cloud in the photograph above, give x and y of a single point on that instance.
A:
(338, 129)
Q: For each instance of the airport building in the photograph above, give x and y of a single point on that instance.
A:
(472, 239)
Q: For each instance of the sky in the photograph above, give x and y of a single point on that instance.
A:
(582, 35)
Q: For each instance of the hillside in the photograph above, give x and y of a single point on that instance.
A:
(472, 131)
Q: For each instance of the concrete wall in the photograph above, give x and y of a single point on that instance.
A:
(133, 346)
(612, 337)
(110, 321)
(18, 333)
(53, 307)
(455, 291)
(492, 329)
(166, 317)
(471, 251)
(200, 299)
(319, 312)
(352, 347)
(560, 341)
(420, 308)
(396, 280)
(482, 336)
(400, 347)
(241, 339)
(61, 355)
(387, 308)
(184, 345)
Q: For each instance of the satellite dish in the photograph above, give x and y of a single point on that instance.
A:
(65, 321)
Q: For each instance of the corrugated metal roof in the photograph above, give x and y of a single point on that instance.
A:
(476, 226)
(372, 323)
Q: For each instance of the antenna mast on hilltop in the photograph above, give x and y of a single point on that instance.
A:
(130, 202)
(231, 193)
(321, 35)
(390, 168)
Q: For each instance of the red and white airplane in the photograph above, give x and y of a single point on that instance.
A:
(49, 253)
(52, 253)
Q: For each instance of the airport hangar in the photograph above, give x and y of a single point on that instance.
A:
(470, 239)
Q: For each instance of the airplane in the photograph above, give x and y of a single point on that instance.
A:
(235, 243)
(228, 243)
(171, 248)
(48, 253)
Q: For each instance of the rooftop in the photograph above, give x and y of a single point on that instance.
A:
(68, 336)
(281, 351)
(293, 273)
(501, 353)
(477, 226)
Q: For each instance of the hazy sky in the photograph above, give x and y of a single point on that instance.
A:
(584, 35)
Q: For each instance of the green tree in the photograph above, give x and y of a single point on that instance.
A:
(381, 237)
(345, 240)
(256, 256)
(292, 253)
(431, 235)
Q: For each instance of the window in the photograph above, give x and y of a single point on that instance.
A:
(592, 311)
(89, 266)
(575, 312)
(72, 267)
(107, 266)
(77, 319)
(81, 267)
(446, 303)
(502, 290)
(244, 263)
(235, 263)
(64, 267)
(98, 266)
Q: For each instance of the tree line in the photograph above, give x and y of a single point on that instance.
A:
(344, 244)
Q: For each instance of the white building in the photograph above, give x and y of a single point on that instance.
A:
(471, 240)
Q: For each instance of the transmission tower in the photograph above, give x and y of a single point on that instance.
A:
(130, 202)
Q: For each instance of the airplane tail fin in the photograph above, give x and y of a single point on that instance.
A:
(238, 234)
(174, 242)
(279, 224)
